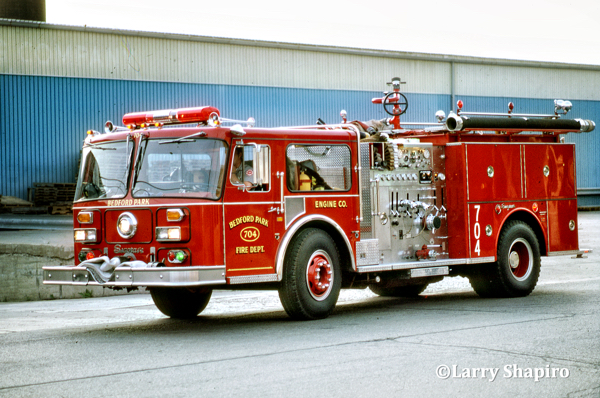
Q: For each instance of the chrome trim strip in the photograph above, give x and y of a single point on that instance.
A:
(250, 201)
(424, 264)
(201, 203)
(569, 252)
(238, 280)
(139, 277)
(331, 196)
(281, 177)
(289, 234)
(358, 179)
(148, 205)
(425, 272)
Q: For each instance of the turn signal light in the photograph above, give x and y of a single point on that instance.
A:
(85, 217)
(175, 215)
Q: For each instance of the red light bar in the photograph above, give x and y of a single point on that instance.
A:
(170, 116)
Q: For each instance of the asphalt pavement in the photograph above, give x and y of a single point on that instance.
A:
(447, 342)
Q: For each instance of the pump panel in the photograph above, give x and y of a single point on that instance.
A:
(406, 197)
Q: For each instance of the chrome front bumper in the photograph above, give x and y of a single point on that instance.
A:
(125, 277)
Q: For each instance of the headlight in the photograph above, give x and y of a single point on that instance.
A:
(85, 235)
(127, 225)
(168, 234)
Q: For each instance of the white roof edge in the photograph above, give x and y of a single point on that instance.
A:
(304, 47)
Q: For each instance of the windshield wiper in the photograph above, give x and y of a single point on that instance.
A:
(138, 162)
(155, 187)
(95, 146)
(128, 154)
(199, 134)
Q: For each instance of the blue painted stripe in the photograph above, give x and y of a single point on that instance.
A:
(43, 119)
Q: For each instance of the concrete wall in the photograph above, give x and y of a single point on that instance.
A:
(22, 256)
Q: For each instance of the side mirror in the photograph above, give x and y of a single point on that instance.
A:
(255, 165)
(260, 164)
(259, 160)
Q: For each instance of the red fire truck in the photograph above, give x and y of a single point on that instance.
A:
(180, 204)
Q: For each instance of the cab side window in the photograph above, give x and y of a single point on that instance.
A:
(318, 167)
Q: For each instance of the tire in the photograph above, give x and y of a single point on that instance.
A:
(180, 303)
(312, 276)
(398, 291)
(517, 268)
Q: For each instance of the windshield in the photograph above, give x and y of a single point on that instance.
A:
(104, 171)
(185, 167)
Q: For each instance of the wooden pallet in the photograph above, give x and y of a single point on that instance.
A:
(61, 208)
(10, 204)
(47, 193)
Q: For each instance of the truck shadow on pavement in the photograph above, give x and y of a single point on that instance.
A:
(409, 312)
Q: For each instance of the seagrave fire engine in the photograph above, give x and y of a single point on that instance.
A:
(182, 210)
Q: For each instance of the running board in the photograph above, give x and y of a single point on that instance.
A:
(423, 264)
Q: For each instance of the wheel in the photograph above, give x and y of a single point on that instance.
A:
(180, 303)
(398, 291)
(400, 104)
(517, 269)
(311, 276)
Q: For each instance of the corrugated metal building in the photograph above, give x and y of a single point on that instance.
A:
(56, 82)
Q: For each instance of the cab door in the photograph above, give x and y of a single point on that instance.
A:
(251, 209)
